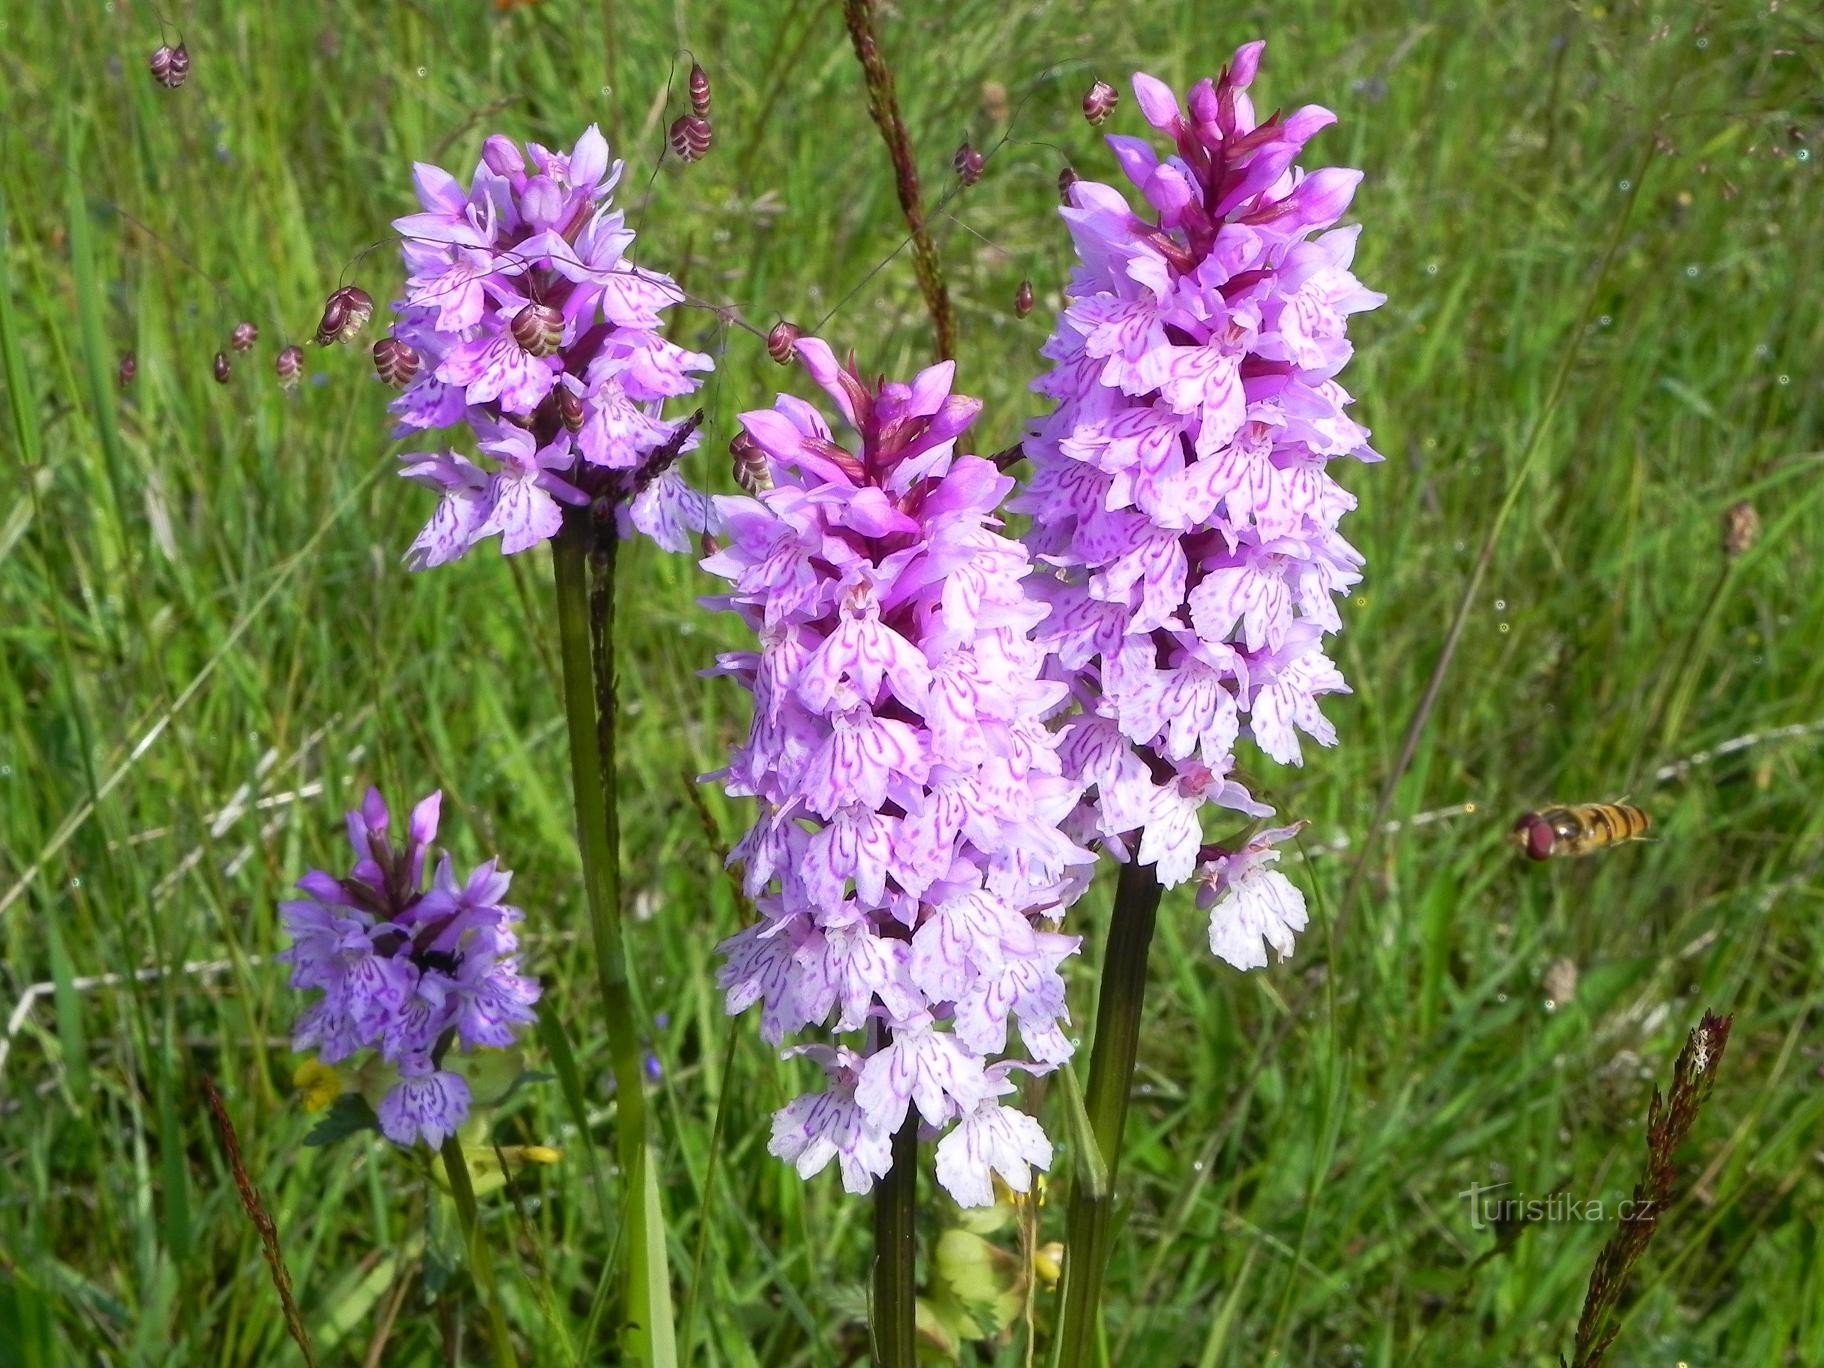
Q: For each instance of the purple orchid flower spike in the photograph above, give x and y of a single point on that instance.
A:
(410, 972)
(1181, 485)
(907, 860)
(524, 319)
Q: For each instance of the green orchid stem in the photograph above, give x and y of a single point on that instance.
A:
(481, 1263)
(1111, 1075)
(895, 1320)
(585, 624)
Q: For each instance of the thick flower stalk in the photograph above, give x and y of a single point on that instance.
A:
(408, 970)
(524, 319)
(1182, 482)
(907, 859)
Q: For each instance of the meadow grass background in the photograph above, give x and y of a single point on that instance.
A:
(210, 646)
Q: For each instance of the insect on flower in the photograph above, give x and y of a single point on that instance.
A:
(1582, 829)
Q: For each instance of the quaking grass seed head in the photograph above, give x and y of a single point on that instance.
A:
(690, 137)
(243, 337)
(222, 368)
(1741, 529)
(129, 367)
(1100, 102)
(782, 342)
(1022, 299)
(749, 460)
(968, 163)
(345, 313)
(539, 329)
(395, 362)
(699, 91)
(1066, 179)
(288, 365)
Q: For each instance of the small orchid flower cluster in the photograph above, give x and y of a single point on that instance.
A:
(1181, 482)
(523, 317)
(407, 970)
(908, 861)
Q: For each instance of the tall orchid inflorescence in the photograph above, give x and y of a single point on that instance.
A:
(409, 971)
(1181, 482)
(523, 318)
(907, 861)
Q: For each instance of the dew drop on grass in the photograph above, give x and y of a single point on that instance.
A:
(75, 881)
(1431, 268)
(1624, 186)
(1504, 629)
(1785, 379)
(6, 771)
(1802, 155)
(1500, 605)
(422, 73)
(1500, 997)
(1691, 271)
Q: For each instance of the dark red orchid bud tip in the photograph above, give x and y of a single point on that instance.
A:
(1066, 179)
(129, 367)
(570, 410)
(539, 329)
(243, 337)
(395, 362)
(690, 137)
(699, 91)
(782, 342)
(1022, 299)
(288, 365)
(751, 471)
(1100, 102)
(968, 163)
(221, 368)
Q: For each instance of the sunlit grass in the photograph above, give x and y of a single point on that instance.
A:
(209, 645)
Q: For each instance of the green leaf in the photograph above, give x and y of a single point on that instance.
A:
(349, 1115)
(650, 1336)
(977, 1278)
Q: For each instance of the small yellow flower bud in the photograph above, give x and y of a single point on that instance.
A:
(317, 1083)
(1048, 1263)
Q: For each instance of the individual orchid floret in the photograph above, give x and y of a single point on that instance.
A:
(1251, 904)
(522, 314)
(907, 861)
(1181, 485)
(420, 974)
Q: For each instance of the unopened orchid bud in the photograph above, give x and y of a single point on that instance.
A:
(222, 369)
(690, 137)
(1066, 179)
(782, 342)
(288, 365)
(699, 91)
(539, 329)
(129, 367)
(1022, 299)
(395, 362)
(751, 471)
(1741, 529)
(1100, 102)
(243, 337)
(968, 163)
(570, 410)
